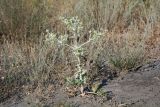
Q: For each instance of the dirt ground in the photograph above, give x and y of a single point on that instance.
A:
(138, 88)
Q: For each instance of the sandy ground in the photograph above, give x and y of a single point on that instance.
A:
(138, 88)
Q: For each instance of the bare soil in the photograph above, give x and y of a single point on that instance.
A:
(138, 88)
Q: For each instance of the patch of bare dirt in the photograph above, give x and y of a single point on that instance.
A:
(140, 88)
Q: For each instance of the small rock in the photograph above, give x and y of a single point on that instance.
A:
(122, 105)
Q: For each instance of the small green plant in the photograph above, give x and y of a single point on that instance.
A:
(127, 62)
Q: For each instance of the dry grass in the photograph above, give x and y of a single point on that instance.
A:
(125, 51)
(21, 19)
(23, 64)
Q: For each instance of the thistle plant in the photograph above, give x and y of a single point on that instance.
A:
(78, 49)
(59, 42)
(75, 26)
(50, 38)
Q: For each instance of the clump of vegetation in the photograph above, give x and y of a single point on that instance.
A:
(78, 48)
(23, 64)
(125, 51)
(36, 63)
